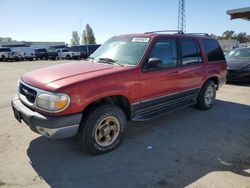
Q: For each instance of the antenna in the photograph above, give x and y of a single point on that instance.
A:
(182, 16)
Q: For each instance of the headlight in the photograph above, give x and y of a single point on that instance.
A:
(52, 102)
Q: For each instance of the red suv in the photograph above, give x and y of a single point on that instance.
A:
(129, 78)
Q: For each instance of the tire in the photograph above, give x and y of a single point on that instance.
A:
(68, 57)
(206, 97)
(102, 129)
(4, 59)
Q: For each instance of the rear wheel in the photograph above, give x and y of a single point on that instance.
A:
(206, 96)
(102, 129)
(68, 57)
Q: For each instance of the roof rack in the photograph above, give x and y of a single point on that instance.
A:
(203, 34)
(165, 31)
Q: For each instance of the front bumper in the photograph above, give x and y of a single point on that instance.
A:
(49, 126)
(238, 76)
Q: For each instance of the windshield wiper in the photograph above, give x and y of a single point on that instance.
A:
(110, 61)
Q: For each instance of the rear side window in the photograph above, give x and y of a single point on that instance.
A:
(191, 53)
(213, 50)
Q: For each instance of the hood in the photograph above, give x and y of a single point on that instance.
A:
(44, 76)
(237, 64)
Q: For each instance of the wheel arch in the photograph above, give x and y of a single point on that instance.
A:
(215, 79)
(119, 100)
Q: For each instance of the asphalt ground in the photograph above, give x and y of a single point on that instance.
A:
(187, 148)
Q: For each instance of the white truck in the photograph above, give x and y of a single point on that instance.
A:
(25, 53)
(6, 54)
(66, 54)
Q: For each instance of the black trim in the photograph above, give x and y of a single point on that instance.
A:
(152, 108)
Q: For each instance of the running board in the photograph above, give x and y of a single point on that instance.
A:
(163, 108)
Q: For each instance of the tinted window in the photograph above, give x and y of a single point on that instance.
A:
(73, 49)
(40, 50)
(92, 48)
(83, 48)
(5, 50)
(191, 53)
(213, 50)
(166, 51)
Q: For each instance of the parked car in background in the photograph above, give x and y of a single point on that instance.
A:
(41, 53)
(65, 53)
(25, 53)
(53, 51)
(238, 65)
(85, 50)
(129, 78)
(6, 54)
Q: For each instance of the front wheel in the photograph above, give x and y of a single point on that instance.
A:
(206, 96)
(102, 129)
(4, 59)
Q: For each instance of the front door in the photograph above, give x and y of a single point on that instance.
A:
(164, 80)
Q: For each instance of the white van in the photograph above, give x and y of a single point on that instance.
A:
(26, 53)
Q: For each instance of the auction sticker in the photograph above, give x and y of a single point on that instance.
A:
(140, 39)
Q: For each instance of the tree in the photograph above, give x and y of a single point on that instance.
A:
(75, 40)
(88, 36)
(5, 39)
(242, 37)
(213, 36)
(229, 35)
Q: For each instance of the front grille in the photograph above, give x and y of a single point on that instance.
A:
(30, 94)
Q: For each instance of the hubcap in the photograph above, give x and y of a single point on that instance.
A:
(209, 96)
(107, 131)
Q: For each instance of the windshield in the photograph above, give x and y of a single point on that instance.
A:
(125, 50)
(238, 54)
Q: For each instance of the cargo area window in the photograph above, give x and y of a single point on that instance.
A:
(213, 50)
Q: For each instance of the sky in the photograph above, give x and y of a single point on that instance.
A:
(54, 20)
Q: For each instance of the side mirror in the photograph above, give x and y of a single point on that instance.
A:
(154, 63)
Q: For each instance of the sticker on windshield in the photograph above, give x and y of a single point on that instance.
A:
(141, 39)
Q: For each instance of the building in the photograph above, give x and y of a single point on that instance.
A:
(228, 45)
(30, 44)
(243, 13)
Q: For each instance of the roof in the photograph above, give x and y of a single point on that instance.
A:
(243, 13)
(167, 33)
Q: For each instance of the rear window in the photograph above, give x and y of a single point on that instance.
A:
(213, 50)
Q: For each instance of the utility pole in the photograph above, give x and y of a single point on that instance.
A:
(182, 16)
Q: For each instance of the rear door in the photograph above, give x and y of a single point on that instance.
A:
(192, 65)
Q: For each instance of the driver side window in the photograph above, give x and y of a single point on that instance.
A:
(166, 51)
